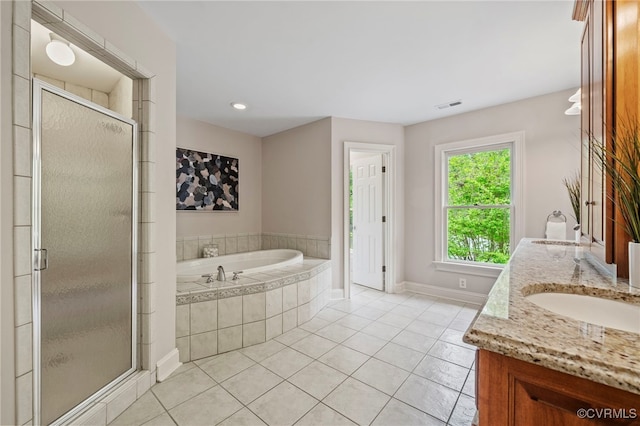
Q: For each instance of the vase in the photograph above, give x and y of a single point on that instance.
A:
(578, 233)
(634, 264)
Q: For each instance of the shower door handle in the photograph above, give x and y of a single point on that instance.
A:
(42, 260)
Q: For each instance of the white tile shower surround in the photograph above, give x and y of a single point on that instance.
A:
(356, 362)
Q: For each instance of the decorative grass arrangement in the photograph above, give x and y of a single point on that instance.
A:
(622, 169)
(573, 188)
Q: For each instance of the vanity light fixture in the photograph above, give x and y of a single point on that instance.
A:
(239, 106)
(59, 51)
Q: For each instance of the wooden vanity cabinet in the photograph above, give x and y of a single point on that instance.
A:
(610, 83)
(510, 392)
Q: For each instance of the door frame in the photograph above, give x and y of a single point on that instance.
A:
(388, 209)
(37, 87)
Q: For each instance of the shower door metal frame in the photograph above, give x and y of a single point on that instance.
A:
(37, 87)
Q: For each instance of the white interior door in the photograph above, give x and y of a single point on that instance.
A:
(367, 222)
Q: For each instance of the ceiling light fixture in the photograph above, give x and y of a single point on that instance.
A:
(59, 51)
(238, 106)
(576, 96)
(574, 110)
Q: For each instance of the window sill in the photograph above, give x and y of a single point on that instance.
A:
(469, 269)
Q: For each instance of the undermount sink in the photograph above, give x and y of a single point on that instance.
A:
(594, 310)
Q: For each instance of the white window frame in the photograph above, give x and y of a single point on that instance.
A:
(514, 141)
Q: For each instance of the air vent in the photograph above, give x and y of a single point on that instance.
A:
(449, 104)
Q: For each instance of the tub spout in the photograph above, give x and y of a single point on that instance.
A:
(221, 276)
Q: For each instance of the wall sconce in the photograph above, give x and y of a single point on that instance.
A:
(59, 51)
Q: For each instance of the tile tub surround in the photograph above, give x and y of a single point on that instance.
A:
(219, 317)
(513, 326)
(188, 248)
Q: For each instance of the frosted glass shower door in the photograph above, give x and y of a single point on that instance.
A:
(84, 251)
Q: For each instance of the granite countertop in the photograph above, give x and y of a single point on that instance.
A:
(513, 326)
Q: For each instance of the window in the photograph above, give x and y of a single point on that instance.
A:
(478, 201)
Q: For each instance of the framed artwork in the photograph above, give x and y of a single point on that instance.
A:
(206, 181)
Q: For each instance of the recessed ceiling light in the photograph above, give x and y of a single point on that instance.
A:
(238, 105)
(59, 51)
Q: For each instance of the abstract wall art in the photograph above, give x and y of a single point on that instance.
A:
(206, 181)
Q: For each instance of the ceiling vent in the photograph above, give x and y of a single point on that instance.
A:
(449, 104)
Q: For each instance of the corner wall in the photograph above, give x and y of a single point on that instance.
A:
(296, 181)
(248, 149)
(552, 151)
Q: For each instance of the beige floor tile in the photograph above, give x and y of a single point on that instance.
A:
(443, 372)
(251, 383)
(221, 367)
(397, 355)
(263, 350)
(314, 346)
(381, 330)
(426, 328)
(469, 387)
(336, 332)
(432, 398)
(399, 413)
(283, 405)
(369, 313)
(357, 401)
(317, 379)
(330, 314)
(292, 336)
(354, 321)
(382, 304)
(243, 417)
(162, 420)
(463, 412)
(347, 306)
(382, 376)
(364, 343)
(144, 409)
(436, 318)
(208, 408)
(287, 362)
(407, 311)
(314, 325)
(395, 320)
(453, 353)
(454, 336)
(176, 390)
(420, 301)
(344, 359)
(321, 415)
(415, 341)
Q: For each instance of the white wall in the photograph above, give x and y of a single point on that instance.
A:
(552, 151)
(120, 99)
(248, 149)
(128, 28)
(346, 130)
(296, 180)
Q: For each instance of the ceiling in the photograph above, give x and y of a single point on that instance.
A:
(86, 71)
(294, 62)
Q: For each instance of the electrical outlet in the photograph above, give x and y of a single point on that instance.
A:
(463, 283)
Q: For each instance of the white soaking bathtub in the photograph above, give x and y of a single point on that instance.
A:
(249, 262)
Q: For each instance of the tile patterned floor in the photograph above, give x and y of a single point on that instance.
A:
(379, 359)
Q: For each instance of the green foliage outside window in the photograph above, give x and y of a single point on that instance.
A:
(482, 233)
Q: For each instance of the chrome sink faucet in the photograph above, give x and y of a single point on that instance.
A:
(221, 276)
(209, 278)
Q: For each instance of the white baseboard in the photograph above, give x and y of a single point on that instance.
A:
(399, 287)
(168, 364)
(337, 293)
(448, 293)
